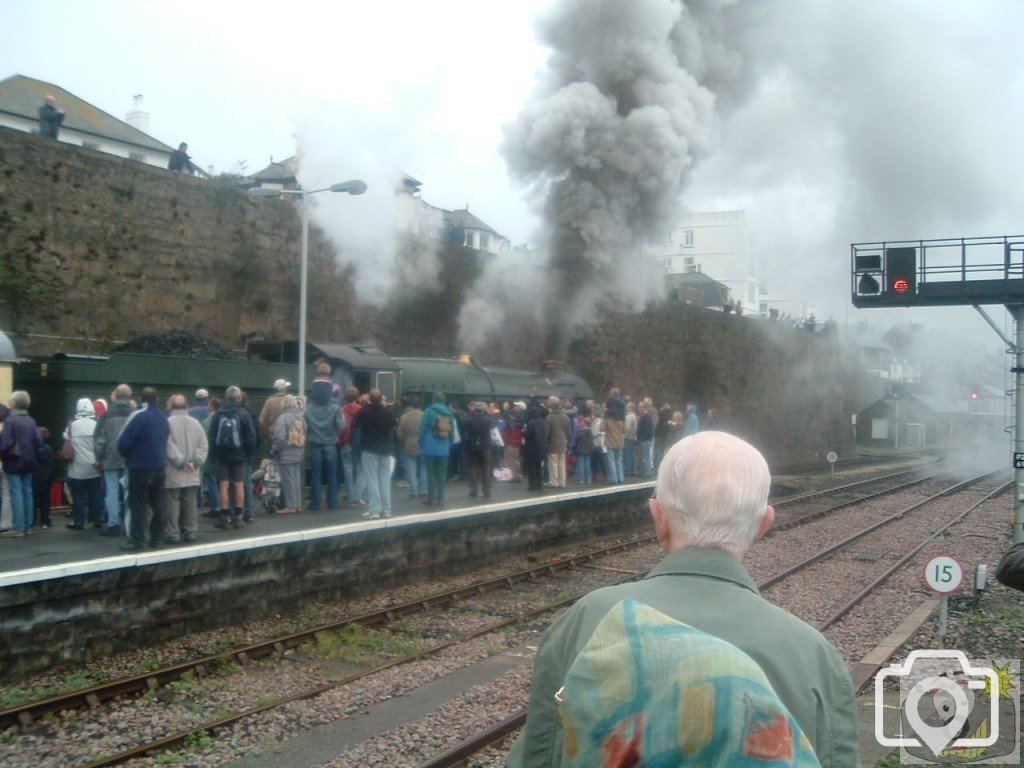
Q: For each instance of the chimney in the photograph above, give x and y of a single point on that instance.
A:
(138, 118)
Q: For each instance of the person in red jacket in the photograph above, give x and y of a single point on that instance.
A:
(355, 482)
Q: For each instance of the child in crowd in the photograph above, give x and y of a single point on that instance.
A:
(42, 476)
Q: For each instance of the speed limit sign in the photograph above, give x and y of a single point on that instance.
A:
(943, 574)
(831, 457)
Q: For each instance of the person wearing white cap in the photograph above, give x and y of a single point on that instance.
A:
(272, 409)
(201, 408)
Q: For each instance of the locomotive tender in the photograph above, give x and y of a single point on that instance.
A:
(57, 382)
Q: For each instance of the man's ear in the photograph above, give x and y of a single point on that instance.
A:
(661, 524)
(766, 522)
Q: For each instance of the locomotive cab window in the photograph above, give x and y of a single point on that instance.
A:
(387, 383)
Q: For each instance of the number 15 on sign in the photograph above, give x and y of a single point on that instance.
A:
(943, 575)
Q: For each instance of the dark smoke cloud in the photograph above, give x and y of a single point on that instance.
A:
(619, 117)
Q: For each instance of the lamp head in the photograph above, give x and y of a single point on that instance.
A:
(263, 192)
(353, 187)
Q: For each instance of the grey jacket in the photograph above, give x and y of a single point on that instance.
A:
(186, 444)
(108, 429)
(323, 422)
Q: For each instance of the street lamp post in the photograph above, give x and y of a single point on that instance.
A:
(352, 187)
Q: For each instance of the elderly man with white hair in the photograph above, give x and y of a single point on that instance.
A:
(710, 507)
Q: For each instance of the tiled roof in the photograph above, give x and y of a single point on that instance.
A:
(284, 170)
(22, 96)
(466, 220)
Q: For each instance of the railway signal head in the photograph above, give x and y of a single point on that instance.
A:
(900, 274)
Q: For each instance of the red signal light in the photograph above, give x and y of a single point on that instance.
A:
(974, 395)
(900, 285)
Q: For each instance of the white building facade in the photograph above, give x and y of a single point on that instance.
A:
(85, 125)
(716, 244)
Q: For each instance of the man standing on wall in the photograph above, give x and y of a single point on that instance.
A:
(180, 161)
(143, 444)
(50, 118)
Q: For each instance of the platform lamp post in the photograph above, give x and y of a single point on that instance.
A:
(352, 187)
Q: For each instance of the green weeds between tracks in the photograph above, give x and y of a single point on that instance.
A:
(360, 646)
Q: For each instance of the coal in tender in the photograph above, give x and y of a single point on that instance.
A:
(177, 344)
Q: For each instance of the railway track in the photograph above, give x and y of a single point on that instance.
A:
(92, 697)
(500, 732)
(25, 714)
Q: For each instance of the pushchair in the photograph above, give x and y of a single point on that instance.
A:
(267, 485)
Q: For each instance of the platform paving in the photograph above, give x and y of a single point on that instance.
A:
(59, 545)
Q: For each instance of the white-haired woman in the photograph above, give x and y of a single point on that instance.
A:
(288, 450)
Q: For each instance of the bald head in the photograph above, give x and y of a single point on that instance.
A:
(712, 492)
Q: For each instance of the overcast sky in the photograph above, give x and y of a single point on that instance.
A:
(849, 121)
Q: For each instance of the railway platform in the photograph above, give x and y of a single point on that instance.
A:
(59, 552)
(70, 596)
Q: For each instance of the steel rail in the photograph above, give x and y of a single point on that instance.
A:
(821, 555)
(840, 488)
(152, 679)
(181, 737)
(25, 714)
(810, 516)
(477, 743)
(498, 732)
(905, 559)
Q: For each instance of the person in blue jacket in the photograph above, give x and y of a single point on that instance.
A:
(143, 444)
(20, 444)
(437, 432)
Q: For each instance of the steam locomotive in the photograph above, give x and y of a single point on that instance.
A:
(57, 382)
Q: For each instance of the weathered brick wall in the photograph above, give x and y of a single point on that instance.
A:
(99, 247)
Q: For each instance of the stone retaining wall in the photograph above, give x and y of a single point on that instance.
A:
(80, 618)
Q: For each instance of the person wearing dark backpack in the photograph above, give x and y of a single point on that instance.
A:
(477, 443)
(436, 435)
(19, 446)
(232, 438)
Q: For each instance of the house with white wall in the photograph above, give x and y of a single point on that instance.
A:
(459, 225)
(85, 125)
(715, 243)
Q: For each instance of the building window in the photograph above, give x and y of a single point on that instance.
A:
(688, 238)
(751, 295)
(688, 261)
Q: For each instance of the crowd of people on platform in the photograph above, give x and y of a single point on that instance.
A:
(134, 469)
